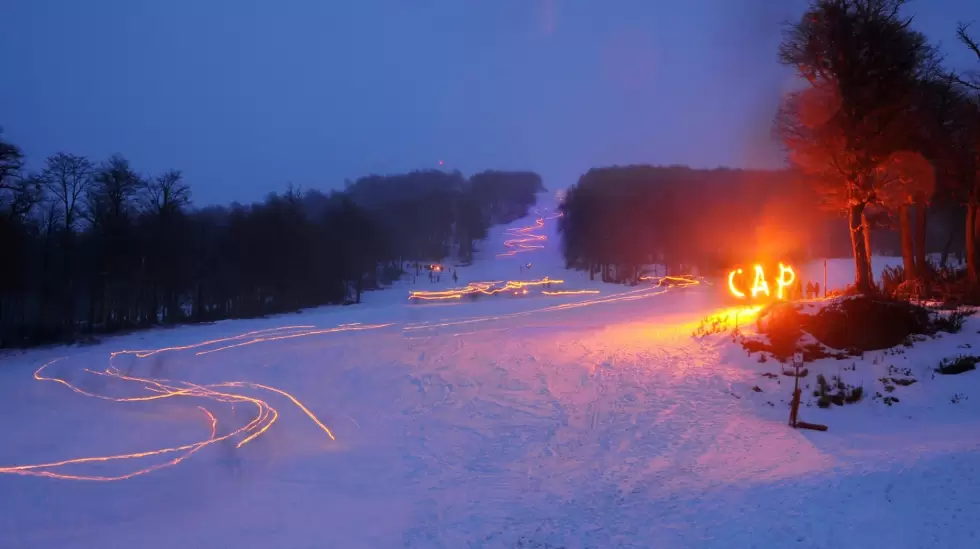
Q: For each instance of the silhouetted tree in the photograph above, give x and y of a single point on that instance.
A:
(966, 151)
(862, 62)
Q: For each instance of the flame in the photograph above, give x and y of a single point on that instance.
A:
(759, 285)
(160, 389)
(783, 282)
(731, 283)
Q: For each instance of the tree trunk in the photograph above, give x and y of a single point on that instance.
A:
(920, 241)
(862, 263)
(971, 242)
(944, 260)
(866, 224)
(905, 230)
(359, 286)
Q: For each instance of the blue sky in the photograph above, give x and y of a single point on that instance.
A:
(246, 96)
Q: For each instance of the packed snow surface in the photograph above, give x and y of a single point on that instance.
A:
(568, 420)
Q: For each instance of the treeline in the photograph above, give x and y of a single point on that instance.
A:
(95, 248)
(618, 219)
(884, 136)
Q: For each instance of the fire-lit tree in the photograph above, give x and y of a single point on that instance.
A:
(966, 147)
(908, 180)
(862, 63)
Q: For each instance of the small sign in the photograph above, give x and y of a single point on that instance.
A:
(797, 358)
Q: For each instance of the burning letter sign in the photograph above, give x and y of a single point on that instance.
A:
(760, 287)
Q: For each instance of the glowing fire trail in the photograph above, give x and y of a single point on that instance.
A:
(570, 292)
(631, 295)
(485, 288)
(523, 241)
(265, 414)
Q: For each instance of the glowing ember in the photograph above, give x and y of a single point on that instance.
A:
(760, 286)
(159, 389)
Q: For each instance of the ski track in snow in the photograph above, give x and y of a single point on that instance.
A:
(500, 423)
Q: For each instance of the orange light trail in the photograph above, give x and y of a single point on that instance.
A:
(159, 389)
(682, 280)
(631, 295)
(570, 292)
(485, 288)
(522, 238)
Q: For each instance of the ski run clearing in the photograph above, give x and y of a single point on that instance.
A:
(589, 416)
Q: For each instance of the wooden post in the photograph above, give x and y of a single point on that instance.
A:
(795, 406)
(825, 278)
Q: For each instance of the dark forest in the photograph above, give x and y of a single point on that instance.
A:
(97, 248)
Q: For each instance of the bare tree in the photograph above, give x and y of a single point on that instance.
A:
(166, 194)
(862, 62)
(67, 177)
(963, 33)
(11, 163)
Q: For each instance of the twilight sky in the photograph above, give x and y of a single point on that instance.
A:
(246, 96)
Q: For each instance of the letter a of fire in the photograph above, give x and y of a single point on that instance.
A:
(760, 286)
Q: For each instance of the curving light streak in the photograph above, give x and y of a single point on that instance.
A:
(159, 389)
(569, 292)
(485, 288)
(731, 283)
(522, 238)
(631, 295)
(669, 280)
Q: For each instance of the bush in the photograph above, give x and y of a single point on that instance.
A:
(952, 322)
(868, 323)
(891, 278)
(958, 365)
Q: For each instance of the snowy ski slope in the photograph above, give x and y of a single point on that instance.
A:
(530, 420)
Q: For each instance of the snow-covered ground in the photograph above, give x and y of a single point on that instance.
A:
(534, 421)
